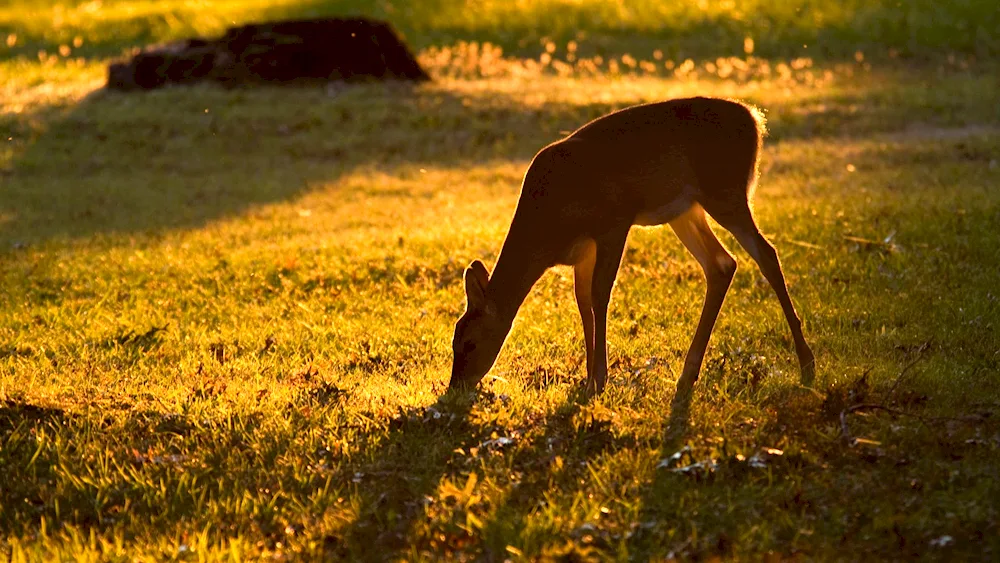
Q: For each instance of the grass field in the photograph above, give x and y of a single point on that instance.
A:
(226, 316)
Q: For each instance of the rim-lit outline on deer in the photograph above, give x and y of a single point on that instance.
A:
(668, 162)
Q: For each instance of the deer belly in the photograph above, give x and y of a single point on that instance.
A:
(666, 212)
(582, 250)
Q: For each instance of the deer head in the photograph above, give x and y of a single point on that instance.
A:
(479, 333)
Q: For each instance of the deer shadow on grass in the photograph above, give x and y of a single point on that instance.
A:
(19, 421)
(710, 484)
(399, 472)
(15, 414)
(418, 487)
(557, 463)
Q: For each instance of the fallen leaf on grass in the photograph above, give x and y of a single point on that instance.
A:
(497, 443)
(706, 466)
(865, 442)
(942, 541)
(166, 459)
(760, 459)
(673, 459)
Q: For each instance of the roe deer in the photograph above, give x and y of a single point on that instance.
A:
(666, 162)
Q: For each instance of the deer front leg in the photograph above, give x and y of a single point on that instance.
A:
(583, 279)
(607, 259)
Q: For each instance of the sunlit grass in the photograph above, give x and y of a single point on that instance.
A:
(225, 316)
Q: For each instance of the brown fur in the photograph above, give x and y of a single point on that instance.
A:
(661, 163)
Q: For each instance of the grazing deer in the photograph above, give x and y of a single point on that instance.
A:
(668, 162)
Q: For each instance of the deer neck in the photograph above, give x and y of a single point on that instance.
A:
(522, 261)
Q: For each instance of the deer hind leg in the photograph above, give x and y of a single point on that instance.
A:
(744, 228)
(607, 259)
(720, 267)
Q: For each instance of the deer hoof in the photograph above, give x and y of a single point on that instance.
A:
(807, 367)
(594, 387)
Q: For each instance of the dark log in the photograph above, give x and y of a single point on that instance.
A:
(288, 52)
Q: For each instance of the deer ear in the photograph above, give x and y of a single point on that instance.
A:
(476, 278)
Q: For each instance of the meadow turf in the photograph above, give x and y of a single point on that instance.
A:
(226, 315)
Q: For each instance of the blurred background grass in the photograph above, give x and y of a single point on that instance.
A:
(693, 28)
(225, 314)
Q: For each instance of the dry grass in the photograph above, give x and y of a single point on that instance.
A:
(225, 320)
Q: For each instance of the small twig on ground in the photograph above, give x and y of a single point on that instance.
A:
(920, 355)
(925, 420)
(802, 243)
(845, 430)
(982, 404)
(870, 242)
(898, 412)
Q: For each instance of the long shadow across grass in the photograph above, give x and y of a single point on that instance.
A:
(414, 483)
(180, 158)
(144, 163)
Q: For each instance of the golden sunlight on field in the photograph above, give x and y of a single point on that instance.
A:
(474, 60)
(229, 311)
